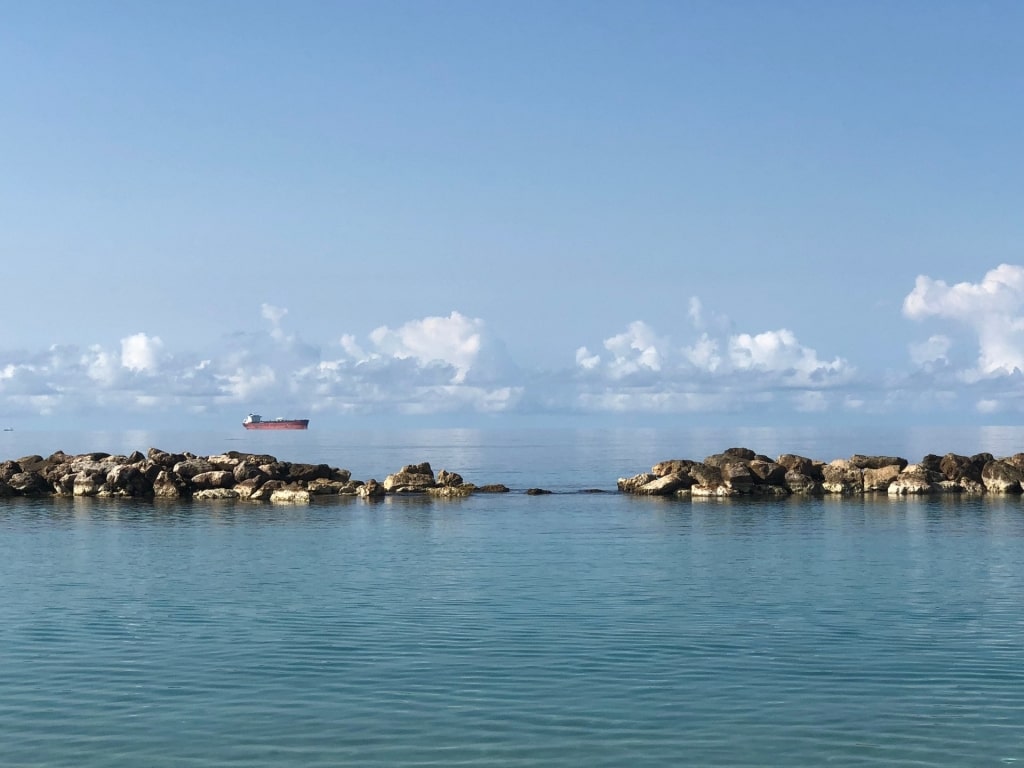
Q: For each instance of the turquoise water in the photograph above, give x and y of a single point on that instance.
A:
(563, 630)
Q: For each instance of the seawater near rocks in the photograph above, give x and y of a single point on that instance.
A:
(742, 472)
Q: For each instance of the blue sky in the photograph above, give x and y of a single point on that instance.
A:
(464, 212)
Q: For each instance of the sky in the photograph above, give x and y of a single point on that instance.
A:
(465, 213)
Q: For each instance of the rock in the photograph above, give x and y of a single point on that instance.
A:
(29, 483)
(86, 484)
(216, 493)
(351, 488)
(803, 484)
(371, 490)
(957, 468)
(446, 478)
(451, 491)
(793, 463)
(881, 478)
(914, 480)
(537, 492)
(492, 488)
(736, 475)
(189, 468)
(128, 480)
(768, 472)
(842, 478)
(672, 467)
(218, 478)
(169, 485)
(289, 496)
(9, 469)
(625, 484)
(663, 486)
(324, 487)
(1000, 476)
(411, 477)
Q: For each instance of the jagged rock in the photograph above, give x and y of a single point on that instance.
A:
(737, 476)
(843, 478)
(410, 477)
(87, 484)
(128, 480)
(324, 487)
(492, 488)
(768, 472)
(189, 468)
(706, 491)
(625, 484)
(957, 468)
(304, 473)
(29, 483)
(672, 467)
(246, 470)
(371, 489)
(248, 487)
(218, 478)
(289, 496)
(664, 486)
(168, 485)
(451, 491)
(446, 478)
(801, 483)
(794, 463)
(879, 479)
(216, 493)
(5, 490)
(914, 480)
(9, 469)
(1001, 476)
(351, 488)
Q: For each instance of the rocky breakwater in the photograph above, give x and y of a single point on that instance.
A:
(742, 472)
(232, 475)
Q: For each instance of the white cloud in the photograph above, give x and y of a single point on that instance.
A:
(452, 341)
(637, 349)
(140, 352)
(991, 309)
(934, 350)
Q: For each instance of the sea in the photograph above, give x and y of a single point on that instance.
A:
(578, 628)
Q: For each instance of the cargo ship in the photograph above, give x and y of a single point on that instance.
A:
(254, 421)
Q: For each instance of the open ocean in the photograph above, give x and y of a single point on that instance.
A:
(574, 629)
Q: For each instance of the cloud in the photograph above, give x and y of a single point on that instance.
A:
(452, 364)
(991, 309)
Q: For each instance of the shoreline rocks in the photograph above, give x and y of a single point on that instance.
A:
(742, 472)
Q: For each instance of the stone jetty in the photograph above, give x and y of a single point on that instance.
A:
(232, 475)
(742, 472)
(733, 472)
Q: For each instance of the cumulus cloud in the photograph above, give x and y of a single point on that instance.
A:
(932, 352)
(453, 341)
(991, 309)
(140, 352)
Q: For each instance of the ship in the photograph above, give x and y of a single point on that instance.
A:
(255, 421)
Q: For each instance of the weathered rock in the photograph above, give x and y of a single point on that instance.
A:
(5, 490)
(770, 490)
(216, 493)
(672, 467)
(189, 468)
(842, 478)
(877, 462)
(447, 479)
(664, 486)
(625, 484)
(29, 483)
(218, 478)
(410, 478)
(246, 470)
(492, 488)
(87, 483)
(736, 475)
(794, 463)
(324, 487)
(914, 480)
(957, 468)
(768, 472)
(1001, 476)
(451, 491)
(803, 484)
(879, 479)
(304, 473)
(371, 489)
(730, 456)
(351, 488)
(290, 496)
(9, 469)
(537, 492)
(128, 480)
(169, 485)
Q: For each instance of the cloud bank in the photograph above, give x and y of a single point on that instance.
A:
(452, 365)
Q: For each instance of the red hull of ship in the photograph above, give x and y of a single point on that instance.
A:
(290, 424)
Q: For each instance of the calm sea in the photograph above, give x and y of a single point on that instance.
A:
(574, 629)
